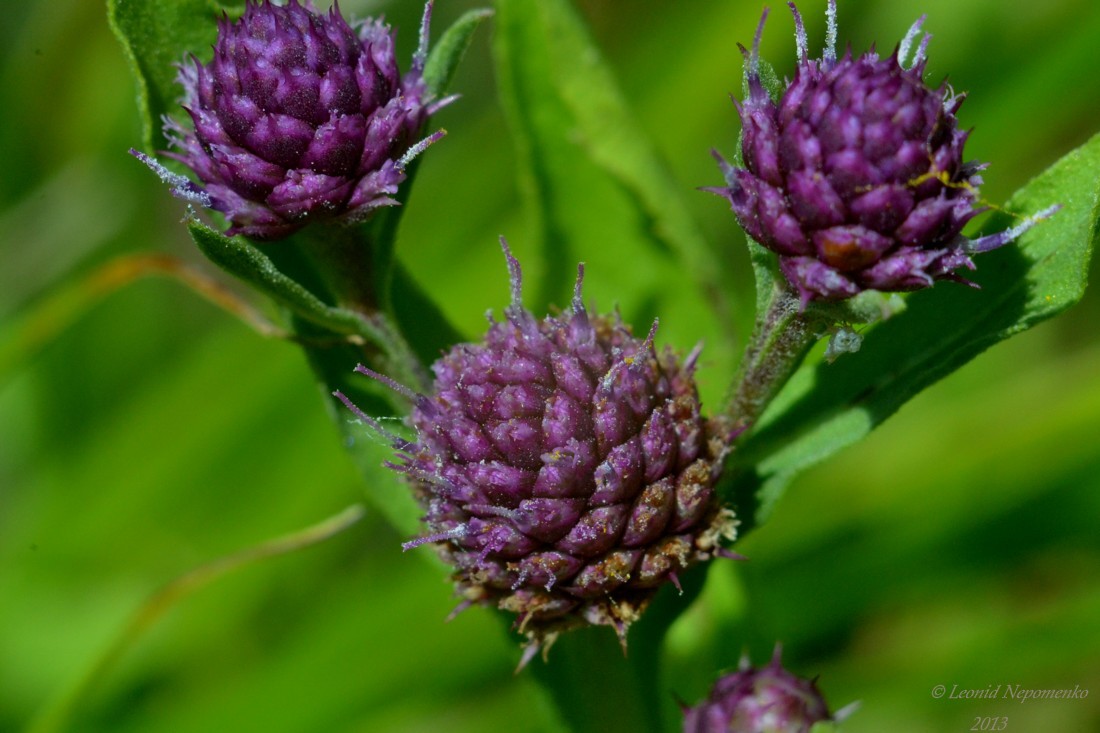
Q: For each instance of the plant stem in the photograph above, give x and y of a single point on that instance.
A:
(781, 338)
(599, 689)
(342, 258)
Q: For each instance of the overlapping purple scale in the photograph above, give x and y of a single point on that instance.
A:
(564, 420)
(851, 173)
(519, 438)
(619, 477)
(548, 568)
(814, 279)
(304, 192)
(663, 557)
(571, 377)
(850, 248)
(905, 269)
(926, 221)
(549, 520)
(567, 471)
(883, 208)
(813, 199)
(613, 422)
(521, 400)
(498, 537)
(606, 575)
(688, 426)
(693, 493)
(651, 513)
(781, 224)
(500, 482)
(659, 444)
(243, 172)
(596, 531)
(799, 148)
(335, 146)
(760, 144)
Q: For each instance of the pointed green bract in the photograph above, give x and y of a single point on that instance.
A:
(828, 407)
(448, 51)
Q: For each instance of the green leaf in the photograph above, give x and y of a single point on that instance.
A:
(827, 407)
(448, 51)
(156, 36)
(241, 258)
(594, 184)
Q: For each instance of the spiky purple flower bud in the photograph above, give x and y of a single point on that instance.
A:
(855, 176)
(298, 117)
(565, 468)
(765, 700)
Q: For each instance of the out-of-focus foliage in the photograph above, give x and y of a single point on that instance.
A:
(956, 545)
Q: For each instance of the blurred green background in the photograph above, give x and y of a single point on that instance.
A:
(960, 544)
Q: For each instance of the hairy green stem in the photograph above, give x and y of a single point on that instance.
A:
(783, 335)
(343, 258)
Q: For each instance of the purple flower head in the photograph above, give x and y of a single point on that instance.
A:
(855, 175)
(765, 700)
(298, 117)
(565, 468)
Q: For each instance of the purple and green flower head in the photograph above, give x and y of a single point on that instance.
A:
(854, 175)
(768, 699)
(298, 117)
(565, 468)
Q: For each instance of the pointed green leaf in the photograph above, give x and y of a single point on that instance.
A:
(246, 261)
(241, 258)
(157, 35)
(448, 51)
(828, 407)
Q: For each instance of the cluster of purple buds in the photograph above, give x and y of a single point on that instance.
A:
(564, 467)
(765, 700)
(855, 176)
(298, 117)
